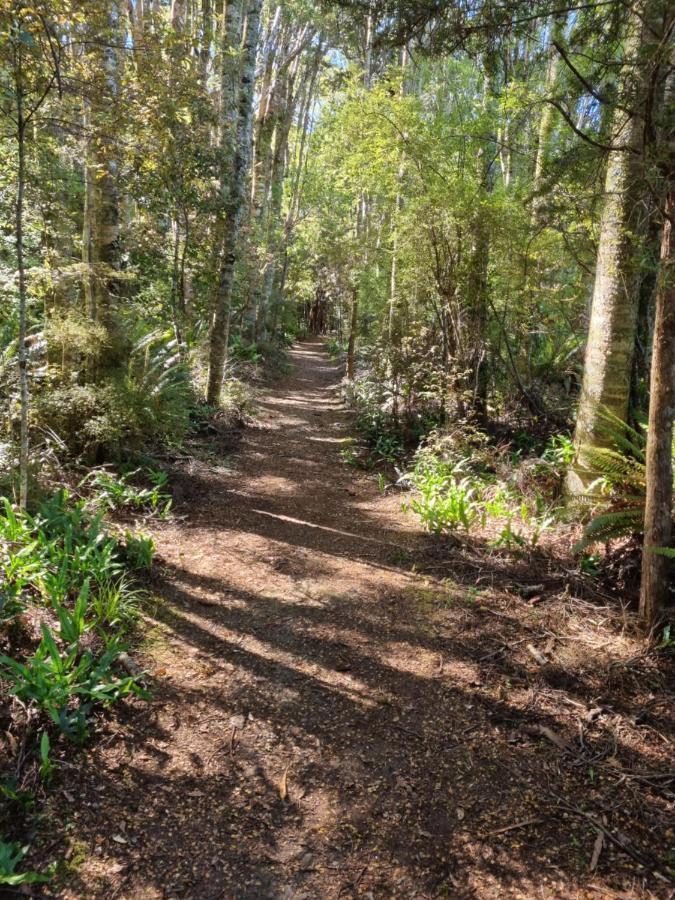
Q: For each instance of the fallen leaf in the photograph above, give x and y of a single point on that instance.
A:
(597, 850)
(283, 784)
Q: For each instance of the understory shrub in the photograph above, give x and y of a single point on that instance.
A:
(237, 401)
(462, 482)
(619, 488)
(114, 491)
(146, 404)
(62, 569)
(389, 436)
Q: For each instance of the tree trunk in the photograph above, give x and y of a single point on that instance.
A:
(654, 589)
(353, 325)
(101, 225)
(612, 328)
(547, 120)
(207, 39)
(269, 303)
(234, 206)
(21, 268)
(178, 15)
(361, 213)
(300, 162)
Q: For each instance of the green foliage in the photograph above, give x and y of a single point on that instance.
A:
(66, 684)
(245, 352)
(11, 855)
(148, 404)
(559, 450)
(668, 552)
(667, 639)
(75, 570)
(237, 401)
(590, 564)
(456, 491)
(446, 500)
(336, 349)
(115, 492)
(619, 487)
(46, 766)
(139, 551)
(117, 604)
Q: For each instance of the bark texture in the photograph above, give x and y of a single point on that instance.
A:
(612, 327)
(656, 568)
(101, 218)
(235, 201)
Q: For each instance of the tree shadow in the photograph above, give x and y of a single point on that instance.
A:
(393, 740)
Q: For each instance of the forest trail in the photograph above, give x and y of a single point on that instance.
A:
(325, 723)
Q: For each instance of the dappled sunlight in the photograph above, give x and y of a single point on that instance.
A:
(331, 440)
(318, 699)
(341, 682)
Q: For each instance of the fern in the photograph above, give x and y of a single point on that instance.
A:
(620, 485)
(668, 552)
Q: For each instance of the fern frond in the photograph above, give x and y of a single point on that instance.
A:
(623, 435)
(611, 525)
(668, 552)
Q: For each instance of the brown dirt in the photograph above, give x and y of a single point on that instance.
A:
(328, 722)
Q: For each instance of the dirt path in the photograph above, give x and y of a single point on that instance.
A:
(326, 723)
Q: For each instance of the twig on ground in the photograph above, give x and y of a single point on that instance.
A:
(524, 824)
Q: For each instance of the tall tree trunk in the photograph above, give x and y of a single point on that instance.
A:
(353, 326)
(21, 268)
(612, 328)
(234, 207)
(658, 525)
(101, 220)
(395, 298)
(478, 317)
(269, 303)
(362, 213)
(547, 120)
(262, 216)
(136, 23)
(206, 39)
(659, 502)
(178, 15)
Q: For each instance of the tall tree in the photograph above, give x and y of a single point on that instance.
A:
(658, 525)
(233, 207)
(101, 215)
(33, 57)
(612, 327)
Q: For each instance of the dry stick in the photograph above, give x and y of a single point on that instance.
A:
(409, 731)
(352, 884)
(513, 827)
(638, 857)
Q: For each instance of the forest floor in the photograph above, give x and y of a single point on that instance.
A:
(331, 718)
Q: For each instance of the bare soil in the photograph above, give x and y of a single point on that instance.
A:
(344, 707)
